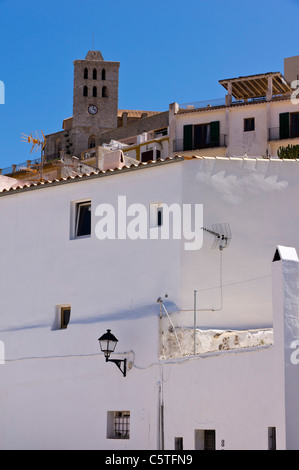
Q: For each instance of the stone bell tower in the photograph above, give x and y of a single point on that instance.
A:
(95, 98)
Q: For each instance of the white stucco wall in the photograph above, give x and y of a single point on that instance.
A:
(252, 143)
(257, 198)
(55, 387)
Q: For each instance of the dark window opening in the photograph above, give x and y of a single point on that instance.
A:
(103, 74)
(83, 219)
(94, 74)
(147, 156)
(65, 317)
(294, 124)
(201, 136)
(91, 143)
(205, 439)
(272, 438)
(161, 132)
(249, 124)
(284, 125)
(104, 92)
(85, 75)
(94, 92)
(209, 439)
(57, 148)
(178, 443)
(85, 91)
(160, 216)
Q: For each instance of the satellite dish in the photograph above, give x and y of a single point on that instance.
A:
(222, 234)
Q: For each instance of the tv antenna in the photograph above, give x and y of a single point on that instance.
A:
(35, 141)
(222, 234)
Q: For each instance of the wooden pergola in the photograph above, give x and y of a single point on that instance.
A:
(256, 86)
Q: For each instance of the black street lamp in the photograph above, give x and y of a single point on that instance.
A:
(107, 344)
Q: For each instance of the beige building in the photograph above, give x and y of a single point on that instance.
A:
(258, 115)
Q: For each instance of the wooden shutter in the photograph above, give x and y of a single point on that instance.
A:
(284, 125)
(215, 133)
(188, 131)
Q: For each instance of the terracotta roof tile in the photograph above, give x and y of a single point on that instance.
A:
(94, 174)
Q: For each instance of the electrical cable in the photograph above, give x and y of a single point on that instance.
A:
(221, 294)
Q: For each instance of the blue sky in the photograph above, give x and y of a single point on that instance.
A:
(168, 51)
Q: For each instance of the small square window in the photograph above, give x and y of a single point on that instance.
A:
(249, 124)
(62, 317)
(65, 314)
(160, 216)
(156, 215)
(83, 219)
(118, 425)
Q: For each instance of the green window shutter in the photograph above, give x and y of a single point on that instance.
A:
(215, 133)
(188, 131)
(284, 125)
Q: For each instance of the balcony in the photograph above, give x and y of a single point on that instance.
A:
(278, 133)
(179, 146)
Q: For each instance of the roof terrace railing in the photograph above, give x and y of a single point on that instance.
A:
(203, 104)
(218, 102)
(20, 166)
(26, 166)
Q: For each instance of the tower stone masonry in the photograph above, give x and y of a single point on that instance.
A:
(96, 118)
(95, 98)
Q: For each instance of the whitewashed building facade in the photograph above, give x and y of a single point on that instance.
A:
(62, 288)
(259, 114)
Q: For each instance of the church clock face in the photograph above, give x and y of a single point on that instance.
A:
(92, 109)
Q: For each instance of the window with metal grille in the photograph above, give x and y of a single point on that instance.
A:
(209, 439)
(118, 425)
(205, 439)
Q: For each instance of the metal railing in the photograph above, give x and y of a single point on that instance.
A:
(276, 133)
(203, 104)
(20, 166)
(26, 166)
(179, 145)
(218, 102)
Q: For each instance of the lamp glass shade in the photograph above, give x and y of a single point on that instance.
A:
(108, 343)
